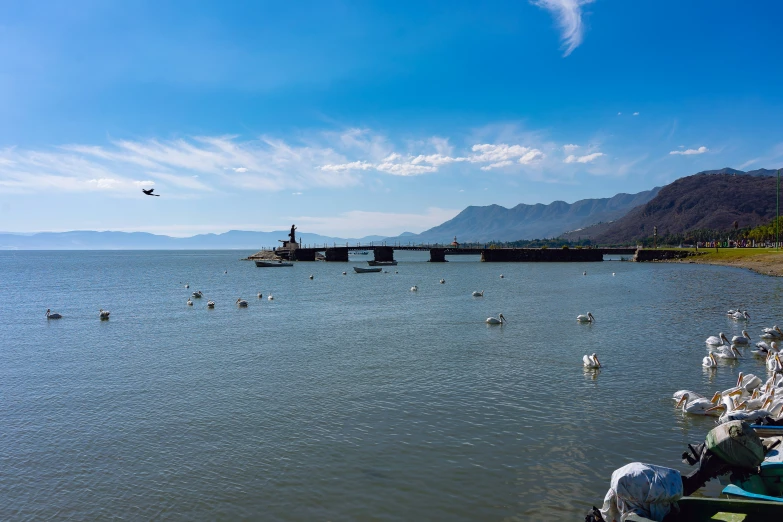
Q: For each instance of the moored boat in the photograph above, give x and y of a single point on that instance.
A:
(382, 263)
(360, 270)
(272, 263)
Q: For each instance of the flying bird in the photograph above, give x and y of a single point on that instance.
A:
(149, 192)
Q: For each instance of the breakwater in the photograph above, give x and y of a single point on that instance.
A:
(438, 254)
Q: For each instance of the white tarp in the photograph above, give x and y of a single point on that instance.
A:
(643, 489)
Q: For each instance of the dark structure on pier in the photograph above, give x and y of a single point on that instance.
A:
(293, 251)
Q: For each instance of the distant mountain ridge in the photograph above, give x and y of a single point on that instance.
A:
(703, 201)
(496, 223)
(91, 240)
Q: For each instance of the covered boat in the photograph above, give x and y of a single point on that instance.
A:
(272, 263)
(360, 270)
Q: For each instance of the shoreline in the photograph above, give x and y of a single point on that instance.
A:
(763, 261)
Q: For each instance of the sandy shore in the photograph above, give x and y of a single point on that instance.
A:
(763, 261)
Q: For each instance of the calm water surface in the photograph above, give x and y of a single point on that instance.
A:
(348, 397)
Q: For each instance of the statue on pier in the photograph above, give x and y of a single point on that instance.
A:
(292, 235)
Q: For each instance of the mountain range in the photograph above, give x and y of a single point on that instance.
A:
(711, 199)
(496, 223)
(90, 240)
(702, 201)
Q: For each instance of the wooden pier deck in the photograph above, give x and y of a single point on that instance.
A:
(438, 253)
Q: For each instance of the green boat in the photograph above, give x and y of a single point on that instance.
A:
(700, 509)
(758, 498)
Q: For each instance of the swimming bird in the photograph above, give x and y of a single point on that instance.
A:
(197, 294)
(748, 382)
(744, 339)
(414, 288)
(771, 333)
(728, 352)
(103, 314)
(500, 319)
(740, 316)
(501, 276)
(51, 315)
(727, 404)
(695, 405)
(270, 297)
(740, 413)
(585, 318)
(757, 400)
(210, 304)
(478, 294)
(612, 274)
(260, 295)
(709, 361)
(345, 273)
(717, 340)
(241, 303)
(149, 192)
(187, 285)
(764, 348)
(773, 363)
(442, 281)
(584, 273)
(311, 276)
(591, 361)
(692, 394)
(190, 303)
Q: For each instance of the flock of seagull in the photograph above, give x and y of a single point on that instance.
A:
(590, 361)
(241, 303)
(752, 398)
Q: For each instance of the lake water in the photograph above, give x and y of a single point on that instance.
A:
(348, 397)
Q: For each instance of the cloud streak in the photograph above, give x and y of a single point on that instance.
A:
(568, 16)
(588, 158)
(493, 155)
(201, 164)
(689, 152)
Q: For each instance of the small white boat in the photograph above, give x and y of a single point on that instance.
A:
(272, 263)
(362, 253)
(382, 263)
(360, 270)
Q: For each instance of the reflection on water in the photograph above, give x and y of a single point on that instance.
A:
(348, 397)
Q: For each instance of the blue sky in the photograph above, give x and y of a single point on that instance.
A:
(356, 118)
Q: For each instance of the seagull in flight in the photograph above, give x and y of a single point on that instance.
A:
(149, 192)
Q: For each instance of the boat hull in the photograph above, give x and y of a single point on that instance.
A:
(359, 270)
(269, 264)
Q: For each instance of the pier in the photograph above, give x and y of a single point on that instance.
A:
(439, 253)
(291, 250)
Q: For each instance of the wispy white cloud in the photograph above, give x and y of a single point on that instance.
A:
(531, 156)
(588, 158)
(494, 155)
(267, 164)
(568, 15)
(689, 152)
(320, 159)
(636, 114)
